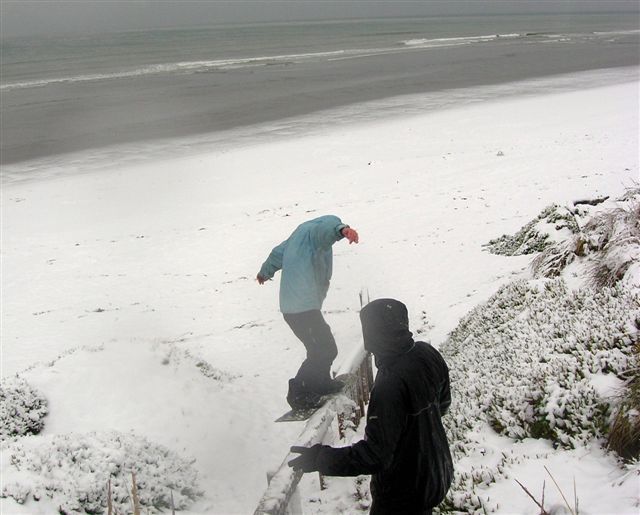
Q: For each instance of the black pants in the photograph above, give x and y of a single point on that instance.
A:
(315, 334)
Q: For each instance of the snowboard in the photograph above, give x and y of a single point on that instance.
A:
(298, 415)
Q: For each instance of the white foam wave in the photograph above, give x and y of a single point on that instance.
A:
(422, 42)
(434, 42)
(617, 32)
(186, 67)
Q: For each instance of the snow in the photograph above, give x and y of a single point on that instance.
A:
(129, 299)
(600, 485)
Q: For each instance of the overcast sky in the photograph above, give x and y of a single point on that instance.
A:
(29, 17)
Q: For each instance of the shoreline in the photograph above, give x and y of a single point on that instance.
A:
(71, 117)
(317, 122)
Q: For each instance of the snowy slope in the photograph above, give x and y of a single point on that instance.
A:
(129, 296)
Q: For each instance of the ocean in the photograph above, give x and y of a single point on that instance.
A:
(74, 93)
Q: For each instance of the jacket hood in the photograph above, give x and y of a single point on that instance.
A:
(385, 329)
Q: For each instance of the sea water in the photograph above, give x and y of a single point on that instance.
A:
(70, 93)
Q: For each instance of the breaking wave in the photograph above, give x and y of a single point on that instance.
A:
(181, 67)
(467, 40)
(424, 42)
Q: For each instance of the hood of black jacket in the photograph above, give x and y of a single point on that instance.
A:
(385, 328)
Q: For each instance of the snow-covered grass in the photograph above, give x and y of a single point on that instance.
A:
(608, 240)
(547, 348)
(536, 361)
(618, 240)
(70, 470)
(128, 297)
(624, 436)
(536, 235)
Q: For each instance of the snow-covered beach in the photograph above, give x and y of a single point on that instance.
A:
(128, 291)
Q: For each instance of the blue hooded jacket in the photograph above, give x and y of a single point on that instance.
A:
(306, 261)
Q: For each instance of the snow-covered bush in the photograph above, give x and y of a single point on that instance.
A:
(608, 243)
(618, 239)
(536, 235)
(525, 363)
(542, 344)
(73, 470)
(22, 408)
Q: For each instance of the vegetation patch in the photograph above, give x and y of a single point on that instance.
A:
(624, 437)
(73, 470)
(531, 361)
(22, 409)
(608, 243)
(526, 363)
(537, 234)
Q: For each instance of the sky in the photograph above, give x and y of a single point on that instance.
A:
(47, 17)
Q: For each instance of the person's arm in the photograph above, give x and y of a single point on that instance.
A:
(330, 229)
(272, 264)
(386, 420)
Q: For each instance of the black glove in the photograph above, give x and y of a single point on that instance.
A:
(307, 459)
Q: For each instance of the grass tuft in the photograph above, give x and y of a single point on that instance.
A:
(624, 436)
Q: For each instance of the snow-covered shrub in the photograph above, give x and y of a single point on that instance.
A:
(525, 363)
(73, 470)
(618, 240)
(542, 344)
(22, 408)
(536, 235)
(608, 242)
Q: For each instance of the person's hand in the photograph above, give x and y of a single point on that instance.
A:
(261, 279)
(306, 462)
(350, 234)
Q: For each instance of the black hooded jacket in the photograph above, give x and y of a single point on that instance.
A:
(405, 447)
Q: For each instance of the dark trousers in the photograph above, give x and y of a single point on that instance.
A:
(315, 334)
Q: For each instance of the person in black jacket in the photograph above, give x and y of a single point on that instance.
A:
(405, 447)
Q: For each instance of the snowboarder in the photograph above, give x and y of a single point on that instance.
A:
(405, 447)
(305, 259)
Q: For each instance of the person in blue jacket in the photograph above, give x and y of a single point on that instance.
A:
(306, 260)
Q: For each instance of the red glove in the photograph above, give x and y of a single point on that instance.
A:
(350, 234)
(261, 280)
